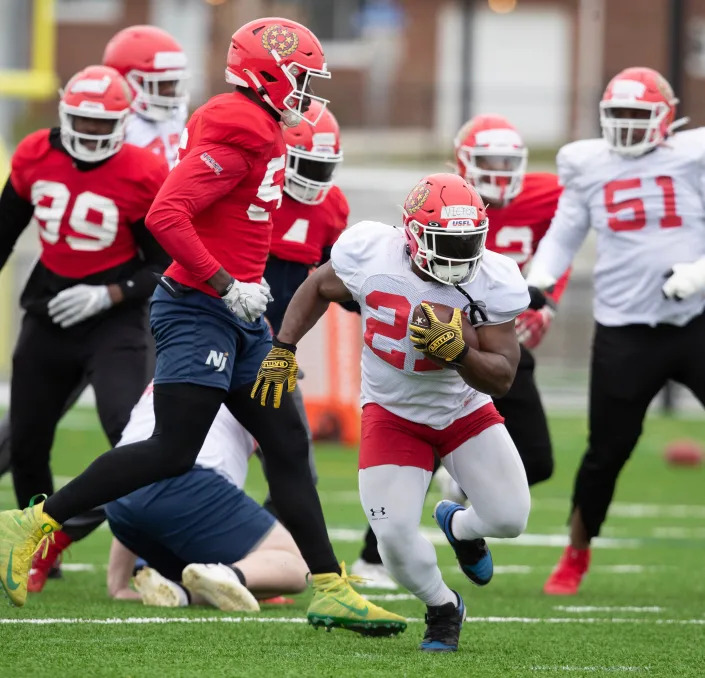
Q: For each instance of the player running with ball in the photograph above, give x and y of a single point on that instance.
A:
(424, 387)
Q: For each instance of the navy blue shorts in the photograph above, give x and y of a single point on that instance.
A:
(198, 517)
(200, 341)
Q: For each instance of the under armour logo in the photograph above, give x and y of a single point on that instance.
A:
(381, 511)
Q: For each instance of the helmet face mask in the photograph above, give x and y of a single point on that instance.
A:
(635, 135)
(450, 256)
(313, 155)
(149, 100)
(446, 227)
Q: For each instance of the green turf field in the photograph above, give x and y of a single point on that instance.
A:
(641, 611)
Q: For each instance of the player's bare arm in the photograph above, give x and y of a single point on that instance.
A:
(310, 302)
(306, 307)
(491, 367)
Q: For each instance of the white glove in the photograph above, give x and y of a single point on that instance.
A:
(75, 304)
(267, 290)
(540, 278)
(247, 301)
(684, 280)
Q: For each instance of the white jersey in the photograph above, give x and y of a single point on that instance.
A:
(371, 260)
(226, 449)
(648, 213)
(162, 138)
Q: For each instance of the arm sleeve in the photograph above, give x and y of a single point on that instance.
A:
(204, 176)
(141, 284)
(568, 229)
(15, 214)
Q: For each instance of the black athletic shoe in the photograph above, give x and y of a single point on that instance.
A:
(443, 624)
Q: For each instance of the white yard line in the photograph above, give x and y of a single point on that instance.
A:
(116, 621)
(607, 608)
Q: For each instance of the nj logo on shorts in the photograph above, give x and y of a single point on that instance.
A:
(217, 359)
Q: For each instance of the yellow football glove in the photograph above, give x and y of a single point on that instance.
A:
(441, 340)
(277, 369)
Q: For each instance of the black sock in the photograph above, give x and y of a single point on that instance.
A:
(239, 574)
(370, 552)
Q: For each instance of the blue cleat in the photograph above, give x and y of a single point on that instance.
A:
(473, 555)
(443, 624)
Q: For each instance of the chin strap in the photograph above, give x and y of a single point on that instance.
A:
(475, 311)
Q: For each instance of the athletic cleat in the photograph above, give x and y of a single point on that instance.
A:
(443, 624)
(158, 591)
(219, 586)
(45, 565)
(373, 576)
(473, 555)
(21, 534)
(567, 575)
(336, 604)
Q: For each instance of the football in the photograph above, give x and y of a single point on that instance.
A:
(444, 314)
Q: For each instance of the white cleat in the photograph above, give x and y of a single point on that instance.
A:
(448, 488)
(375, 576)
(159, 591)
(219, 586)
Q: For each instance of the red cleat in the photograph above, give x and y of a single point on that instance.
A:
(567, 575)
(278, 600)
(44, 562)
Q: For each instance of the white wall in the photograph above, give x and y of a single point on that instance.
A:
(521, 68)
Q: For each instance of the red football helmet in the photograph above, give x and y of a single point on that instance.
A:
(313, 154)
(277, 58)
(492, 157)
(446, 226)
(151, 61)
(637, 111)
(97, 93)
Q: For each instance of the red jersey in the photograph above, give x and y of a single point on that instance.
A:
(215, 208)
(301, 232)
(84, 216)
(515, 230)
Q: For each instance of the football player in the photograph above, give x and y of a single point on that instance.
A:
(213, 216)
(313, 213)
(185, 527)
(491, 155)
(641, 188)
(87, 193)
(154, 66)
(423, 387)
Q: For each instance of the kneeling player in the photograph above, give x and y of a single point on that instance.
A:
(415, 402)
(187, 527)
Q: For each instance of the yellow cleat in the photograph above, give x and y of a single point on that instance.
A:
(21, 535)
(337, 604)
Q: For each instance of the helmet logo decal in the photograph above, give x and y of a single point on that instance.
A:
(417, 198)
(280, 39)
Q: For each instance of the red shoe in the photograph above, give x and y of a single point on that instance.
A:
(567, 575)
(44, 562)
(278, 600)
